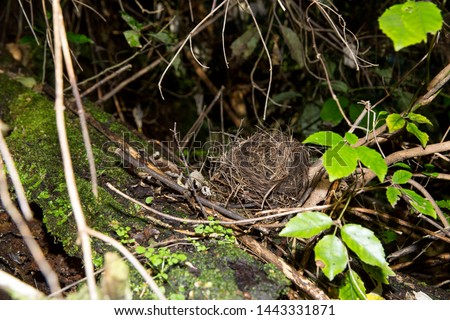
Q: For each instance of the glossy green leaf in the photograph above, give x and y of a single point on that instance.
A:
(395, 122)
(306, 225)
(295, 46)
(419, 203)
(418, 118)
(340, 161)
(393, 194)
(408, 23)
(352, 288)
(331, 256)
(422, 136)
(351, 138)
(324, 138)
(365, 244)
(383, 114)
(373, 160)
(132, 38)
(401, 176)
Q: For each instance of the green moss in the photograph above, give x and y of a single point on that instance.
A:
(226, 272)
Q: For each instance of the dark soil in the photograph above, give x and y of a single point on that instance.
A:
(16, 259)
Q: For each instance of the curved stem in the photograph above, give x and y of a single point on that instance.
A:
(428, 196)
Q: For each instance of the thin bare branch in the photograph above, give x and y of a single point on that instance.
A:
(50, 276)
(128, 255)
(18, 289)
(269, 58)
(65, 152)
(193, 31)
(14, 175)
(84, 129)
(408, 154)
(428, 196)
(29, 23)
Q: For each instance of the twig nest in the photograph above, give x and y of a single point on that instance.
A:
(268, 169)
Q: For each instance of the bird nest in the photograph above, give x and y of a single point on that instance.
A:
(268, 169)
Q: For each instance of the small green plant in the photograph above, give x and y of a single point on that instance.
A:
(418, 202)
(161, 259)
(149, 200)
(215, 230)
(132, 36)
(123, 233)
(396, 122)
(341, 158)
(198, 245)
(331, 252)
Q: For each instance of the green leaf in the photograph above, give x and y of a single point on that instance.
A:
(340, 86)
(285, 97)
(395, 122)
(340, 161)
(351, 138)
(422, 136)
(402, 165)
(330, 111)
(78, 38)
(132, 22)
(331, 256)
(324, 138)
(148, 200)
(365, 244)
(388, 236)
(444, 204)
(352, 287)
(418, 118)
(306, 225)
(140, 249)
(401, 177)
(244, 46)
(383, 113)
(381, 275)
(408, 23)
(419, 203)
(393, 194)
(28, 82)
(422, 17)
(373, 160)
(163, 36)
(295, 46)
(132, 38)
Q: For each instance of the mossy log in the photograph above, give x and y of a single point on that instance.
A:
(33, 141)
